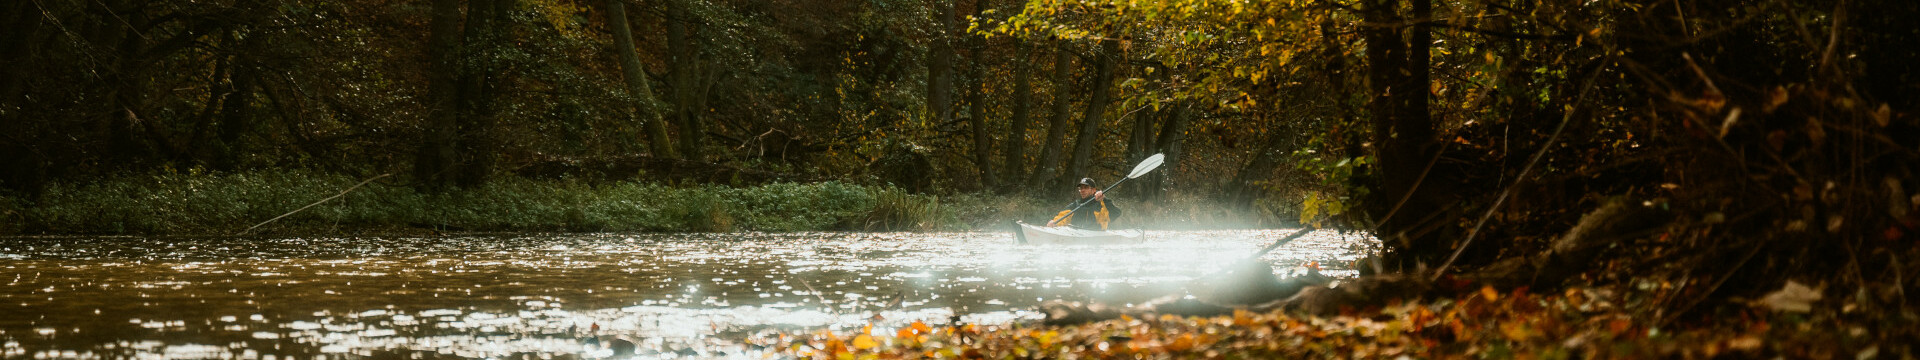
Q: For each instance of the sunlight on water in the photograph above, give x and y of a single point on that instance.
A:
(573, 296)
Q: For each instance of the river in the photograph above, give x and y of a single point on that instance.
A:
(722, 295)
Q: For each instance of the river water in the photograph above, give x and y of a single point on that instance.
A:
(724, 295)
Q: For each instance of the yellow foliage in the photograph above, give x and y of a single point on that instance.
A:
(562, 14)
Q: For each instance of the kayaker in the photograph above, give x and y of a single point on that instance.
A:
(1097, 212)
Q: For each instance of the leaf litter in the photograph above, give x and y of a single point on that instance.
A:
(1580, 322)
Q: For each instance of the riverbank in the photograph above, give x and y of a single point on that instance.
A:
(1580, 323)
(231, 204)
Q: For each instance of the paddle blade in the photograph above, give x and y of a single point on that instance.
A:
(1152, 162)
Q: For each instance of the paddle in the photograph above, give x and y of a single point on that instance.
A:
(1152, 162)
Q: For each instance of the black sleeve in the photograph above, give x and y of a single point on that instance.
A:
(1113, 209)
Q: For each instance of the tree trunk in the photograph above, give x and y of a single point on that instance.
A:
(21, 21)
(1057, 124)
(1016, 138)
(23, 168)
(688, 79)
(1172, 133)
(235, 118)
(128, 84)
(436, 154)
(487, 31)
(1243, 189)
(1096, 109)
(287, 104)
(977, 105)
(1417, 120)
(940, 64)
(217, 93)
(1401, 132)
(1140, 138)
(1140, 141)
(647, 108)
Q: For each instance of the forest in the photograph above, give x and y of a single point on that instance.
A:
(1740, 143)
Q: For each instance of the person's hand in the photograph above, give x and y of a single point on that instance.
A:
(1050, 222)
(1100, 195)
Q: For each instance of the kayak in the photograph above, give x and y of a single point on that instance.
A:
(1040, 235)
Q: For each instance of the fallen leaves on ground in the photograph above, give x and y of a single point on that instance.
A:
(1489, 323)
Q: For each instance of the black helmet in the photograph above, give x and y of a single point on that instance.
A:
(1087, 182)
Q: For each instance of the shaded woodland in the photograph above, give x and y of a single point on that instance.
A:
(455, 93)
(1770, 139)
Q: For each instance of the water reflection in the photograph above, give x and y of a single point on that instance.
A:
(683, 295)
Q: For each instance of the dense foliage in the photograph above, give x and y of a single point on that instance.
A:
(457, 93)
(1778, 134)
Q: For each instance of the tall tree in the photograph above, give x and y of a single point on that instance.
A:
(1140, 139)
(127, 81)
(691, 75)
(940, 64)
(482, 80)
(437, 153)
(23, 166)
(1016, 137)
(1245, 187)
(1403, 132)
(1057, 122)
(638, 88)
(1095, 116)
(1173, 132)
(977, 103)
(236, 116)
(467, 60)
(21, 22)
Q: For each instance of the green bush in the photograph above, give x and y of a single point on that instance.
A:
(12, 216)
(895, 210)
(177, 203)
(207, 204)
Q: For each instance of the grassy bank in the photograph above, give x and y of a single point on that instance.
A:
(184, 204)
(205, 204)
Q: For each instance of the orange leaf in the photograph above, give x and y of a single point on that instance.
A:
(1242, 318)
(864, 342)
(1489, 293)
(1516, 330)
(1184, 342)
(921, 327)
(1619, 326)
(834, 346)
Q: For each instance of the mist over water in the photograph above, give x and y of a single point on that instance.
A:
(723, 295)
